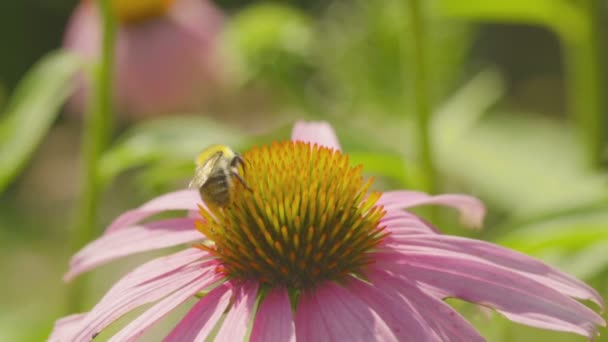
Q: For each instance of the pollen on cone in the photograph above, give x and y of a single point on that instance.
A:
(290, 238)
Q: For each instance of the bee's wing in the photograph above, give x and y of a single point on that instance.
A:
(202, 172)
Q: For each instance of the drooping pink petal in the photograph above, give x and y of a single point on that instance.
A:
(471, 209)
(159, 310)
(131, 240)
(404, 223)
(198, 324)
(332, 313)
(518, 297)
(65, 327)
(315, 132)
(274, 319)
(442, 322)
(178, 200)
(238, 319)
(500, 256)
(399, 315)
(158, 268)
(146, 284)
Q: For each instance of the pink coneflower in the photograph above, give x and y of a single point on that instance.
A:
(166, 56)
(311, 254)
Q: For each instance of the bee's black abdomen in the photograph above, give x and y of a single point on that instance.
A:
(216, 189)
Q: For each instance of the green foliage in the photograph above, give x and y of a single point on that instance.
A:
(524, 164)
(366, 56)
(562, 16)
(580, 25)
(166, 141)
(520, 162)
(389, 165)
(269, 42)
(32, 109)
(352, 60)
(164, 149)
(575, 243)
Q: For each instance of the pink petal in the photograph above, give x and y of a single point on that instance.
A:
(519, 298)
(332, 313)
(500, 256)
(202, 318)
(238, 319)
(142, 323)
(131, 240)
(471, 209)
(404, 223)
(146, 284)
(178, 200)
(274, 320)
(399, 315)
(315, 132)
(401, 296)
(66, 327)
(158, 268)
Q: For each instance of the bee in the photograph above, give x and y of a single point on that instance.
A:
(216, 168)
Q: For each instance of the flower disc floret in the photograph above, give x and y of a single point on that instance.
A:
(308, 218)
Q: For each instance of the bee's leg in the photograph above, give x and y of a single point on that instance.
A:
(238, 161)
(241, 180)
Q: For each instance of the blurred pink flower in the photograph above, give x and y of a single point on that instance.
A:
(312, 255)
(165, 63)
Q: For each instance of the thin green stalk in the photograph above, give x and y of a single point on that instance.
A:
(585, 72)
(95, 136)
(421, 92)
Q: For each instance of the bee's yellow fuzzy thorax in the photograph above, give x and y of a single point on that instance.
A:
(129, 11)
(309, 218)
(213, 149)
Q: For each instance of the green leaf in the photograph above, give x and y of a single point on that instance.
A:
(32, 109)
(162, 177)
(389, 165)
(560, 15)
(173, 140)
(520, 162)
(466, 107)
(25, 324)
(268, 40)
(365, 54)
(575, 243)
(523, 163)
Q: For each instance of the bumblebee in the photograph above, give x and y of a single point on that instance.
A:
(216, 169)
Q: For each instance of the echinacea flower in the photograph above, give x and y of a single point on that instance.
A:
(311, 254)
(166, 58)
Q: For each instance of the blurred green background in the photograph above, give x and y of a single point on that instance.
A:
(517, 92)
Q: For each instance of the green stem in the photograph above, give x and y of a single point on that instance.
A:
(583, 54)
(94, 139)
(421, 92)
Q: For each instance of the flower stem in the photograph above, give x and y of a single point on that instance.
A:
(95, 135)
(421, 92)
(585, 72)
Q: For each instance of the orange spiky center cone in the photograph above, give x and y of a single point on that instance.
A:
(308, 218)
(131, 11)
